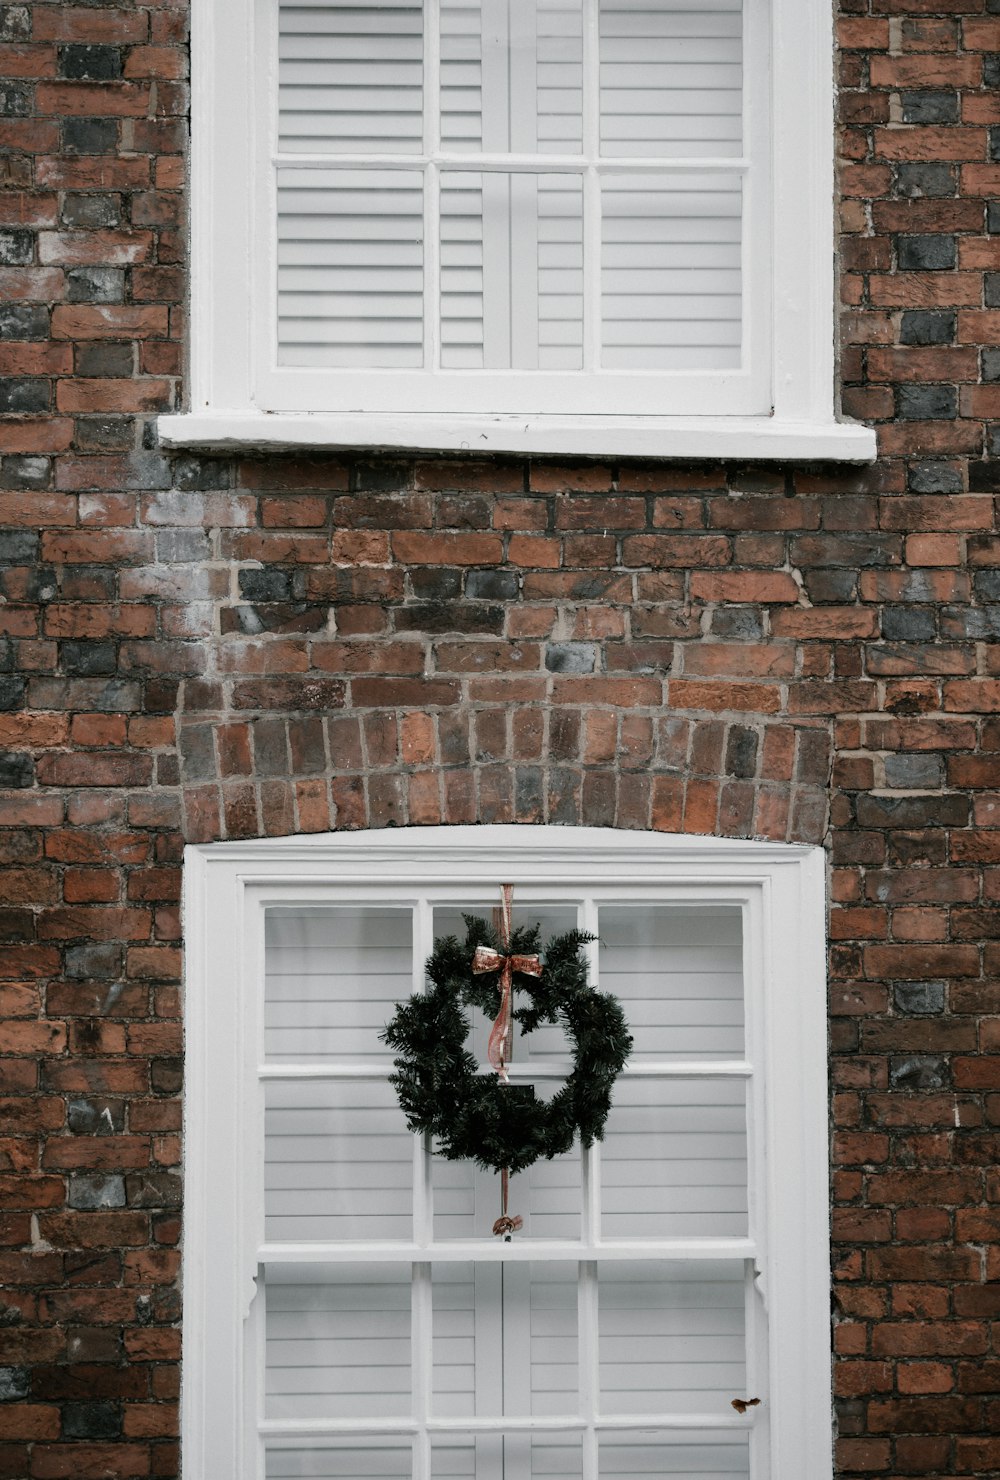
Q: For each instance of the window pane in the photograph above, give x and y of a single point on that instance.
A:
(512, 75)
(678, 974)
(511, 271)
(340, 1348)
(350, 268)
(692, 1455)
(354, 1459)
(671, 77)
(350, 76)
(334, 977)
(338, 1162)
(515, 1456)
(674, 1160)
(505, 1340)
(671, 1337)
(671, 281)
(547, 1197)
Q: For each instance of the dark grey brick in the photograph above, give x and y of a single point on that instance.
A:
(914, 770)
(153, 1189)
(17, 247)
(991, 289)
(970, 621)
(990, 364)
(437, 617)
(929, 107)
(17, 99)
(571, 657)
(23, 321)
(15, 1382)
(934, 477)
(834, 586)
(993, 448)
(923, 326)
(91, 1420)
(89, 135)
(105, 434)
(986, 584)
(994, 136)
(918, 1071)
(200, 474)
(95, 285)
(920, 999)
(917, 180)
(86, 212)
(15, 23)
(95, 1117)
(22, 470)
(105, 358)
(268, 583)
(90, 63)
(382, 476)
(270, 747)
(909, 624)
(926, 253)
(98, 961)
(25, 394)
(492, 585)
(18, 546)
(16, 769)
(85, 659)
(993, 215)
(91, 1191)
(991, 69)
(741, 752)
(197, 749)
(11, 693)
(926, 402)
(436, 582)
(744, 623)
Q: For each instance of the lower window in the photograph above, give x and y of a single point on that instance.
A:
(662, 1312)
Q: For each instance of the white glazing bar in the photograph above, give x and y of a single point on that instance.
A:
(432, 185)
(535, 1069)
(462, 1251)
(591, 186)
(421, 1299)
(421, 1317)
(591, 1157)
(590, 1168)
(539, 164)
(570, 1423)
(423, 1182)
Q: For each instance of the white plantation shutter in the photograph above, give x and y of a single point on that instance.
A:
(346, 1342)
(605, 246)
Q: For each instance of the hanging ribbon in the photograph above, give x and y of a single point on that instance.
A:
(497, 1051)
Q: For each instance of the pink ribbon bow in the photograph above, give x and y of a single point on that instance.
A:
(486, 959)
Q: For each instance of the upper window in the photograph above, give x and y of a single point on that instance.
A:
(614, 213)
(664, 1309)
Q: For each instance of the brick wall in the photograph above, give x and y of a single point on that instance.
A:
(193, 648)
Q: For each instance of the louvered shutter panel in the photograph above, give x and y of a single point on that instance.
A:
(661, 249)
(504, 1339)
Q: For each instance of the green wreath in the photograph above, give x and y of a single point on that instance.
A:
(475, 1116)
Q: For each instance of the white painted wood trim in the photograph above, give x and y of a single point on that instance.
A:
(781, 889)
(584, 436)
(229, 201)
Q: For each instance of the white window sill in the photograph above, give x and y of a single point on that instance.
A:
(581, 436)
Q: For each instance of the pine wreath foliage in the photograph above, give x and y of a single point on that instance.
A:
(474, 1116)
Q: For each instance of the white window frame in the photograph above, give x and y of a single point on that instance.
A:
(780, 889)
(236, 400)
